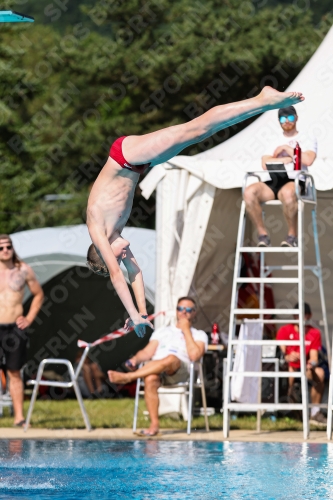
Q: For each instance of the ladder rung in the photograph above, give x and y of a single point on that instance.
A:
(281, 268)
(267, 280)
(291, 268)
(266, 374)
(266, 311)
(269, 249)
(263, 406)
(266, 342)
(272, 202)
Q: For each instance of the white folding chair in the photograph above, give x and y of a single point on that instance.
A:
(66, 385)
(184, 388)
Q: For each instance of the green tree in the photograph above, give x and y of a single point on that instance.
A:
(170, 56)
(59, 14)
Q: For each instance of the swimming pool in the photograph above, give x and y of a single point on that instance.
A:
(164, 470)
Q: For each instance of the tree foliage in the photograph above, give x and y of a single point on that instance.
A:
(65, 95)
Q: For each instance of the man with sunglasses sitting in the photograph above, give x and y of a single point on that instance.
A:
(281, 187)
(14, 276)
(168, 355)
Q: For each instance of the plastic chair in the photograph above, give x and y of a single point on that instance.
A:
(66, 385)
(186, 388)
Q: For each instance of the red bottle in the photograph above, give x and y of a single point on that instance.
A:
(297, 157)
(215, 334)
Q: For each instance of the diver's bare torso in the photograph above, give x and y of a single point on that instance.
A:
(111, 198)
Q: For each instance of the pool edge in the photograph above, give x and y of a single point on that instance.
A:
(166, 435)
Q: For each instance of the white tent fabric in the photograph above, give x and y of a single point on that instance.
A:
(247, 359)
(187, 186)
(175, 266)
(49, 251)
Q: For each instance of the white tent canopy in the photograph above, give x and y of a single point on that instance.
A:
(197, 221)
(49, 251)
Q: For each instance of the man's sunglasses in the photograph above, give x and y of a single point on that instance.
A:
(187, 309)
(8, 247)
(290, 118)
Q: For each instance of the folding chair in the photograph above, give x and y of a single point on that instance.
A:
(73, 374)
(185, 388)
(66, 385)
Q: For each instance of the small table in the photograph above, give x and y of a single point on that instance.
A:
(213, 365)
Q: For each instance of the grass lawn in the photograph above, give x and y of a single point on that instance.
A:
(112, 413)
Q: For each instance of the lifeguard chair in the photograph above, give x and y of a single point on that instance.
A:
(297, 278)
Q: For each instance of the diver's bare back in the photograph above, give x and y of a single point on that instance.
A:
(111, 198)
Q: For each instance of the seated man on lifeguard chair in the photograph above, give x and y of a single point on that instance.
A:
(281, 187)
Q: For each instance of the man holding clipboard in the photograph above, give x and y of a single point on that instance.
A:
(281, 186)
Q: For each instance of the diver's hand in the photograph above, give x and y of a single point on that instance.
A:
(140, 324)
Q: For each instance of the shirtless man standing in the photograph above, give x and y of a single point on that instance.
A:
(111, 198)
(14, 275)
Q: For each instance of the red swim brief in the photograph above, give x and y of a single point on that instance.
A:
(116, 153)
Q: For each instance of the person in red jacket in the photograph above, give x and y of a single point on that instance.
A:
(314, 372)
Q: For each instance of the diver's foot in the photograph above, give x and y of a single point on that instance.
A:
(273, 99)
(119, 377)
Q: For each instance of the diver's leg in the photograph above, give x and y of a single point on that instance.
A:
(161, 145)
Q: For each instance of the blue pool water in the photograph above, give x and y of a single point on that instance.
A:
(164, 470)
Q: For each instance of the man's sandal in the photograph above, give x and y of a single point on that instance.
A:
(20, 424)
(146, 433)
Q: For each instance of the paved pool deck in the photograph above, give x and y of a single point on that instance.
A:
(165, 435)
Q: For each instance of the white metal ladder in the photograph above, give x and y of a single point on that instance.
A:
(265, 270)
(330, 403)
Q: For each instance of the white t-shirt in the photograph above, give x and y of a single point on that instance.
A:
(171, 340)
(307, 143)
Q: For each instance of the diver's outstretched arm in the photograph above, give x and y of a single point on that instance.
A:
(118, 281)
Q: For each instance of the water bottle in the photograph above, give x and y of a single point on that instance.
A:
(297, 157)
(215, 334)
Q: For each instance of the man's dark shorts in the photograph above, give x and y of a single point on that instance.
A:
(278, 181)
(13, 346)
